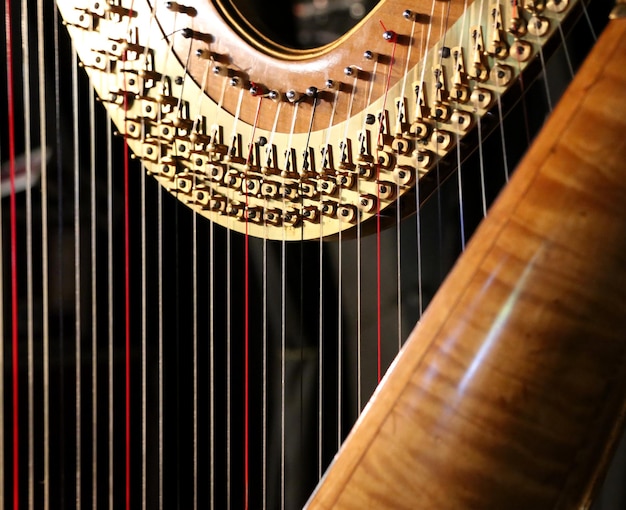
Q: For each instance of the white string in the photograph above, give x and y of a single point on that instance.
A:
(110, 375)
(26, 96)
(94, 304)
(458, 150)
(2, 456)
(228, 366)
(161, 338)
(77, 279)
(505, 159)
(41, 73)
(589, 23)
(144, 343)
(283, 354)
(268, 160)
(399, 119)
(212, 362)
(264, 382)
(346, 148)
(359, 321)
(144, 312)
(194, 266)
(283, 335)
(320, 399)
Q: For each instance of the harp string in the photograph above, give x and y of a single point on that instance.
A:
(264, 385)
(144, 309)
(212, 339)
(94, 302)
(161, 307)
(266, 339)
(229, 255)
(399, 119)
(13, 246)
(326, 157)
(283, 355)
(144, 345)
(359, 249)
(26, 98)
(2, 361)
(340, 283)
(2, 369)
(247, 321)
(382, 122)
(127, 336)
(45, 309)
(77, 278)
(194, 283)
(111, 315)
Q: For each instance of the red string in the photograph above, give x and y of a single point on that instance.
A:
(14, 336)
(393, 39)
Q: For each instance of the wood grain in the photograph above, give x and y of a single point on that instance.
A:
(274, 66)
(510, 392)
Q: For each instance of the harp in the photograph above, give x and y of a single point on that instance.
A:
(136, 345)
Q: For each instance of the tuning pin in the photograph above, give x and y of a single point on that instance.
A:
(557, 5)
(517, 25)
(534, 6)
(256, 89)
(312, 92)
(478, 70)
(410, 15)
(538, 26)
(501, 75)
(189, 33)
(481, 98)
(390, 36)
(521, 50)
(183, 9)
(292, 96)
(498, 46)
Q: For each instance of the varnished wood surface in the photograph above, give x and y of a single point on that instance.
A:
(236, 43)
(510, 392)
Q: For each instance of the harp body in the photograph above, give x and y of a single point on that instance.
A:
(510, 391)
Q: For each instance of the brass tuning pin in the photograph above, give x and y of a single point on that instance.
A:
(478, 70)
(460, 88)
(517, 24)
(498, 46)
(439, 111)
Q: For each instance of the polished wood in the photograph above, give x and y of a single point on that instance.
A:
(237, 43)
(510, 392)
